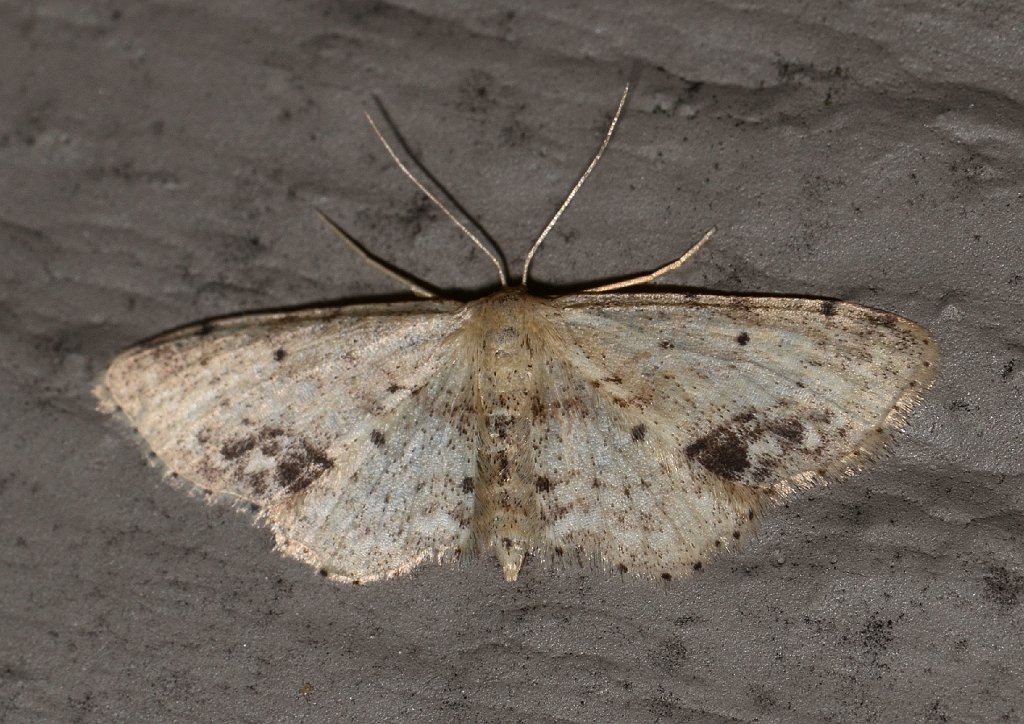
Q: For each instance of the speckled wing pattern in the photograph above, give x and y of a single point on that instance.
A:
(307, 414)
(680, 416)
(638, 432)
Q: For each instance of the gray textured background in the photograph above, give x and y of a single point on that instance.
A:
(159, 163)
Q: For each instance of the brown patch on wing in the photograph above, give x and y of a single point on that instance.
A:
(726, 449)
(722, 451)
(237, 448)
(789, 428)
(298, 462)
(266, 438)
(300, 465)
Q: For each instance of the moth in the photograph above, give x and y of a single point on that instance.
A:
(637, 432)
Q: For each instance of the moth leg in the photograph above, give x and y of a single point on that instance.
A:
(644, 278)
(417, 288)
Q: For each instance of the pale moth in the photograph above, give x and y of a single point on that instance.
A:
(638, 432)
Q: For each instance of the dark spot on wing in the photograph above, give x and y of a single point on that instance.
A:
(722, 452)
(235, 449)
(697, 566)
(543, 484)
(667, 576)
(789, 428)
(393, 388)
(742, 338)
(377, 438)
(828, 308)
(665, 344)
(280, 354)
(732, 449)
(467, 485)
(639, 432)
(300, 465)
(623, 568)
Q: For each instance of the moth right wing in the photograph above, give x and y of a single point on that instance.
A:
(347, 425)
(665, 421)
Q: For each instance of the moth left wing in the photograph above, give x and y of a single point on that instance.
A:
(341, 423)
(665, 421)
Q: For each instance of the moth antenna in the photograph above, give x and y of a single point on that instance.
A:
(437, 202)
(576, 188)
(644, 278)
(377, 263)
